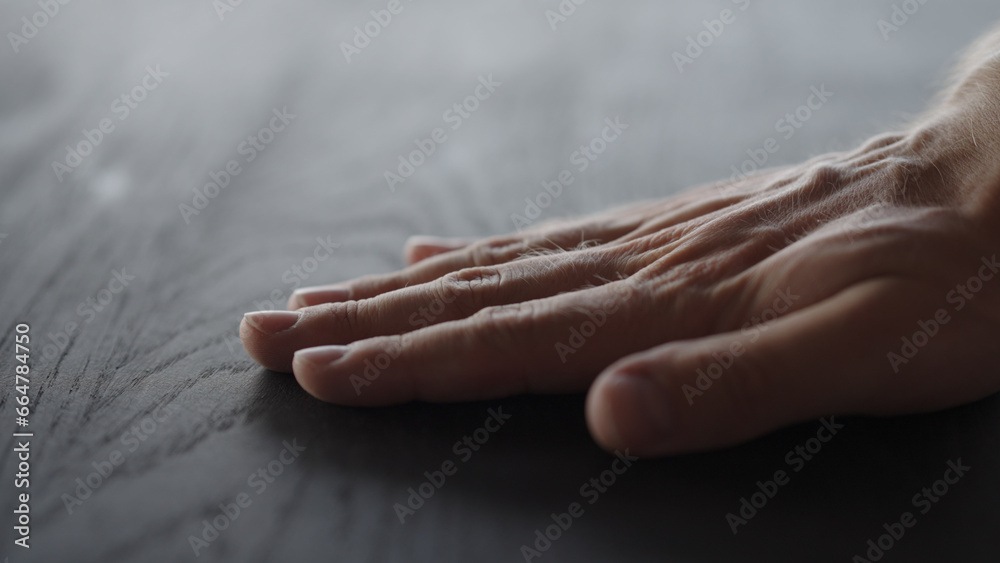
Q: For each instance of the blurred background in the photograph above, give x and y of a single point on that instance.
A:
(116, 116)
(228, 68)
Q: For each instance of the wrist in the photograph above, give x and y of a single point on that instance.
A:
(958, 151)
(960, 139)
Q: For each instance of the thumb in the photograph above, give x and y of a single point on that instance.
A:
(829, 358)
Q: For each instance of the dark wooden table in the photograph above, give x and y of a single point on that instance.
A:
(150, 424)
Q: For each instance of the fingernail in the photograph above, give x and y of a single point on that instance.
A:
(322, 355)
(309, 296)
(641, 405)
(271, 322)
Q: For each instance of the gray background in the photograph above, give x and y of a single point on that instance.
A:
(169, 340)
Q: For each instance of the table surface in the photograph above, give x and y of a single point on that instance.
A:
(147, 383)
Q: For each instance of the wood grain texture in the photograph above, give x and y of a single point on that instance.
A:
(167, 345)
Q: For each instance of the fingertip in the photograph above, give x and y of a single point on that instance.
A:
(271, 322)
(305, 376)
(630, 410)
(254, 342)
(247, 335)
(601, 417)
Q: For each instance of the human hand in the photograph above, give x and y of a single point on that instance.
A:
(856, 283)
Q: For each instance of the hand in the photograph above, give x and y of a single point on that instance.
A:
(857, 283)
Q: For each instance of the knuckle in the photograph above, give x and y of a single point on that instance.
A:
(880, 142)
(826, 174)
(470, 289)
(824, 179)
(346, 314)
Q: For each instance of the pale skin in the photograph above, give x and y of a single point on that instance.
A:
(706, 319)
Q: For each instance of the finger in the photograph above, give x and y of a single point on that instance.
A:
(489, 252)
(272, 337)
(830, 358)
(422, 247)
(551, 345)
(417, 248)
